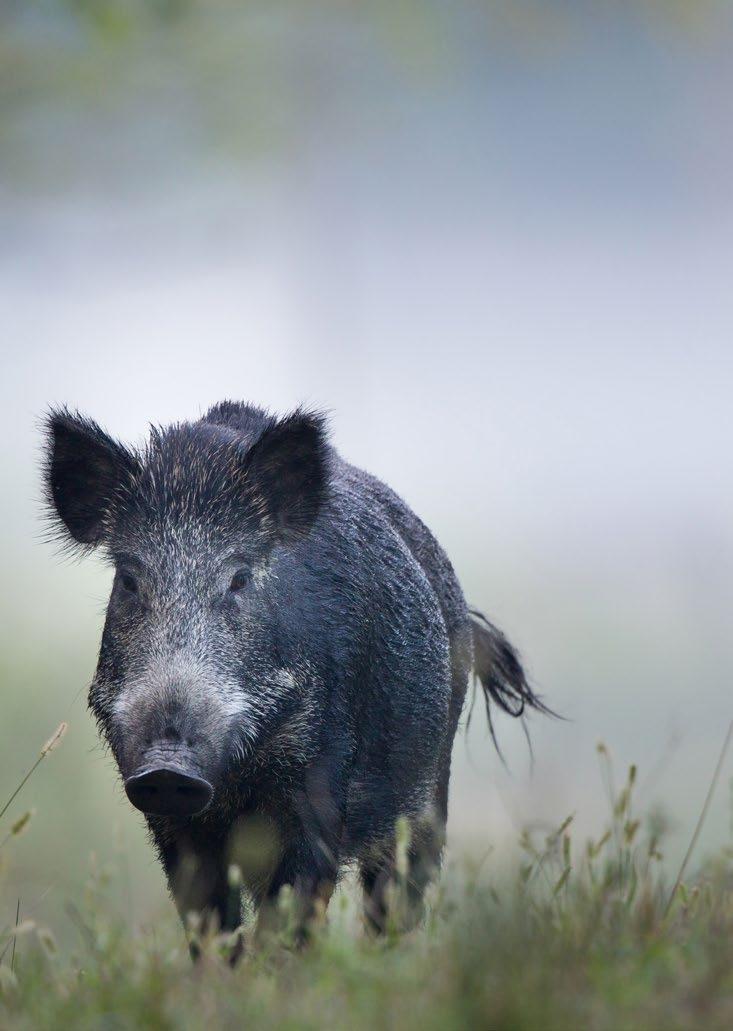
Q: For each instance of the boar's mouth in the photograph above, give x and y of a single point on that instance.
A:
(168, 790)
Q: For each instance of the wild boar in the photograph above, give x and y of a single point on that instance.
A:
(284, 660)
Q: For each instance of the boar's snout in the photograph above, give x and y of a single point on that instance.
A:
(168, 791)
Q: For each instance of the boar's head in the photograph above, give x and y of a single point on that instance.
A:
(189, 681)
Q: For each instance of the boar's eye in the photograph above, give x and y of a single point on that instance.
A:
(128, 582)
(239, 581)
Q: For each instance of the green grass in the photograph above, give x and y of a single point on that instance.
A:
(567, 935)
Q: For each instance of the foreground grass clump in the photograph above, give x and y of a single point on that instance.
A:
(572, 937)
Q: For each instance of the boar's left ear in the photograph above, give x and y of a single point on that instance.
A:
(286, 473)
(85, 469)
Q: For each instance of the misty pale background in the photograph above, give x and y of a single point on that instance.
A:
(494, 241)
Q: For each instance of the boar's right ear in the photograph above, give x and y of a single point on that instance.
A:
(286, 473)
(84, 470)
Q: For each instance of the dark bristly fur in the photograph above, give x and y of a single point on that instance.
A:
(285, 656)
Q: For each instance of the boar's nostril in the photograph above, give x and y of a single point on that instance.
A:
(166, 791)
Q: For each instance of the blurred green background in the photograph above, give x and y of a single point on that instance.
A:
(494, 241)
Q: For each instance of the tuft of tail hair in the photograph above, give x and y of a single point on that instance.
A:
(497, 668)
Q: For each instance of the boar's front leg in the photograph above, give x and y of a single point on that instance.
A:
(310, 861)
(312, 877)
(198, 882)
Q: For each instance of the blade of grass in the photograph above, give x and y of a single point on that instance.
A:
(48, 747)
(15, 938)
(701, 820)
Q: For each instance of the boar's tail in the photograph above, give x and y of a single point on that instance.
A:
(497, 668)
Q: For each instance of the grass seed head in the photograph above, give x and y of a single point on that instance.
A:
(55, 738)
